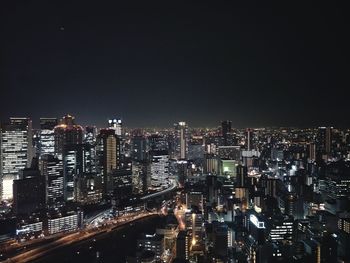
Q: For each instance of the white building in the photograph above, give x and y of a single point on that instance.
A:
(16, 152)
(62, 223)
(159, 170)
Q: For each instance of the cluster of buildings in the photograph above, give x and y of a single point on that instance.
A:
(260, 195)
(245, 195)
(48, 175)
(267, 195)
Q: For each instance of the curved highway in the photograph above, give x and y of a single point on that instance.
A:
(169, 189)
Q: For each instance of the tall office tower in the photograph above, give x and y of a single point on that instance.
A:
(212, 188)
(77, 160)
(90, 135)
(67, 133)
(241, 176)
(116, 125)
(139, 176)
(158, 143)
(159, 170)
(226, 129)
(324, 140)
(211, 164)
(196, 149)
(271, 187)
(108, 154)
(28, 192)
(16, 152)
(139, 148)
(47, 135)
(312, 151)
(181, 140)
(51, 169)
(182, 171)
(249, 139)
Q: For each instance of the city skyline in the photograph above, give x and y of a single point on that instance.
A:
(103, 123)
(273, 66)
(174, 132)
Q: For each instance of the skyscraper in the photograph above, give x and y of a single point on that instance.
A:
(249, 139)
(47, 135)
(51, 169)
(108, 154)
(77, 160)
(226, 129)
(181, 140)
(158, 143)
(90, 135)
(69, 148)
(16, 152)
(29, 192)
(159, 168)
(67, 133)
(324, 140)
(139, 148)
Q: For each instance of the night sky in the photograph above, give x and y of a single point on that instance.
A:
(154, 63)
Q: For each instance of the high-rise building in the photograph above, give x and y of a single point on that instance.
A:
(51, 169)
(116, 125)
(67, 133)
(90, 135)
(139, 148)
(77, 159)
(16, 152)
(241, 176)
(196, 150)
(211, 164)
(226, 129)
(47, 135)
(139, 177)
(159, 170)
(182, 170)
(108, 154)
(271, 187)
(249, 139)
(29, 193)
(324, 140)
(181, 140)
(158, 143)
(312, 151)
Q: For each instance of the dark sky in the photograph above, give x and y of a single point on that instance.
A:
(157, 63)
